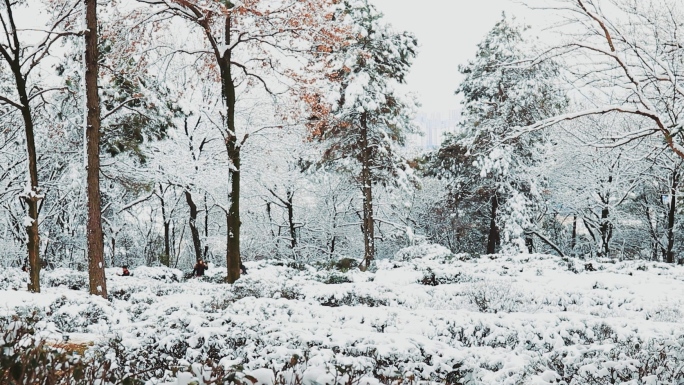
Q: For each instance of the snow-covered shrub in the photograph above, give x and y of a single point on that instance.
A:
(131, 362)
(28, 359)
(120, 293)
(426, 250)
(346, 264)
(74, 280)
(164, 290)
(630, 361)
(12, 278)
(390, 329)
(352, 298)
(211, 372)
(333, 278)
(429, 278)
(79, 314)
(160, 273)
(441, 277)
(493, 296)
(665, 313)
(250, 287)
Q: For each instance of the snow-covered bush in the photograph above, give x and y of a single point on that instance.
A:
(12, 278)
(426, 251)
(250, 287)
(29, 359)
(77, 314)
(444, 277)
(629, 361)
(351, 298)
(665, 313)
(161, 273)
(381, 327)
(334, 278)
(74, 280)
(493, 296)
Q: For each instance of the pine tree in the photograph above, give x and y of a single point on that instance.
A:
(368, 117)
(501, 90)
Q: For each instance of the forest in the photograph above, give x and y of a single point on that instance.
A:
(273, 140)
(259, 130)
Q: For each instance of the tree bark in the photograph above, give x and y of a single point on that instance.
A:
(671, 217)
(95, 239)
(32, 197)
(166, 258)
(606, 231)
(573, 241)
(493, 240)
(113, 250)
(290, 217)
(529, 243)
(206, 227)
(366, 182)
(233, 149)
(193, 226)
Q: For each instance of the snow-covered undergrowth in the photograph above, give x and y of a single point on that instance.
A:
(426, 315)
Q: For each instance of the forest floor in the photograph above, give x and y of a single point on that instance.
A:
(426, 316)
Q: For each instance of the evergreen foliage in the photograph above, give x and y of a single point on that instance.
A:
(484, 164)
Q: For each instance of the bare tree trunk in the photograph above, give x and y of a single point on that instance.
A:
(493, 239)
(368, 221)
(233, 149)
(233, 241)
(206, 227)
(290, 217)
(95, 239)
(606, 231)
(113, 250)
(573, 241)
(33, 199)
(529, 243)
(166, 258)
(193, 226)
(11, 53)
(671, 216)
(33, 243)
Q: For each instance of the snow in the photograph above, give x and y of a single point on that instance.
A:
(27, 221)
(425, 313)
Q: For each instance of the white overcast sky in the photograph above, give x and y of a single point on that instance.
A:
(448, 32)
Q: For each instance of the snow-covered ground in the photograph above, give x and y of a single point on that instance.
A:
(426, 315)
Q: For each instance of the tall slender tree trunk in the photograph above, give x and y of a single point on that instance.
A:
(671, 216)
(493, 240)
(166, 258)
(368, 222)
(32, 196)
(573, 241)
(233, 148)
(606, 227)
(194, 232)
(95, 239)
(206, 227)
(233, 241)
(290, 218)
(113, 251)
(606, 231)
(33, 199)
(529, 243)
